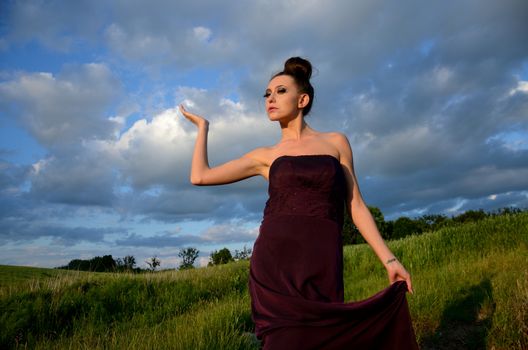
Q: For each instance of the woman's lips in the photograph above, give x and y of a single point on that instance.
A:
(271, 109)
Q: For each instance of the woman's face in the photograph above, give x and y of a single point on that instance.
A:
(283, 100)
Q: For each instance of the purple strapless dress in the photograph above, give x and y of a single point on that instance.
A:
(296, 269)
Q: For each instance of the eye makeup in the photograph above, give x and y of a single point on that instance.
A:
(280, 90)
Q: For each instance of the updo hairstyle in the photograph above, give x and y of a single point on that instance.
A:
(301, 71)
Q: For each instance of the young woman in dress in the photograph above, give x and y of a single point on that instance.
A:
(296, 268)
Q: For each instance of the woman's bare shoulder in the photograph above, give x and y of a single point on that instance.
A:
(333, 136)
(339, 142)
(261, 155)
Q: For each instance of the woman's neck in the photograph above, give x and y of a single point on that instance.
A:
(295, 129)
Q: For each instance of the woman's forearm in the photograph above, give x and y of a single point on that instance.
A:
(366, 225)
(200, 162)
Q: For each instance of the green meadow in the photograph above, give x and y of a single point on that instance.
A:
(470, 281)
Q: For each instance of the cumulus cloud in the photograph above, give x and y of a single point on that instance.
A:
(522, 87)
(57, 24)
(61, 235)
(85, 178)
(157, 152)
(152, 153)
(65, 109)
(145, 170)
(202, 33)
(168, 34)
(154, 157)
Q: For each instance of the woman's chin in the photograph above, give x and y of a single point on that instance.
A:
(275, 118)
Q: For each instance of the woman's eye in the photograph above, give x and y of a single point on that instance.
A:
(266, 94)
(281, 90)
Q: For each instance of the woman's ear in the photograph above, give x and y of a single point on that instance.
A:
(303, 101)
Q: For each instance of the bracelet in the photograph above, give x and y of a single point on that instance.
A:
(391, 260)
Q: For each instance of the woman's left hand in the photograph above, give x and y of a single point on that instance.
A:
(397, 272)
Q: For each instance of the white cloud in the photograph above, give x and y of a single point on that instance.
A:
(159, 151)
(64, 109)
(522, 87)
(150, 153)
(139, 46)
(164, 36)
(58, 25)
(85, 178)
(202, 33)
(229, 233)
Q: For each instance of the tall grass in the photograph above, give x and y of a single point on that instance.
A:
(97, 303)
(470, 282)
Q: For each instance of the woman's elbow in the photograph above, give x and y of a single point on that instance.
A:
(196, 180)
(357, 204)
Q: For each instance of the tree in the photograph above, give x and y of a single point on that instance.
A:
(508, 211)
(432, 222)
(104, 264)
(351, 234)
(78, 264)
(129, 262)
(153, 263)
(243, 254)
(470, 215)
(404, 226)
(188, 256)
(98, 264)
(223, 256)
(126, 264)
(380, 221)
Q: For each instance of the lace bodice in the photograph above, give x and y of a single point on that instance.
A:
(311, 185)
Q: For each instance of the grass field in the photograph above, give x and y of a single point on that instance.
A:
(470, 281)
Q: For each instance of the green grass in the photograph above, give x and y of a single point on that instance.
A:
(470, 281)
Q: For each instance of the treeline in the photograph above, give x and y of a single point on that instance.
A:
(224, 256)
(188, 256)
(404, 226)
(107, 263)
(103, 264)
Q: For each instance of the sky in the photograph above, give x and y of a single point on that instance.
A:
(95, 157)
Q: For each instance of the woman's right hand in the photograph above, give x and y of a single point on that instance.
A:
(195, 119)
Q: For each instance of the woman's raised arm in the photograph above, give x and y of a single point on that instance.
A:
(248, 165)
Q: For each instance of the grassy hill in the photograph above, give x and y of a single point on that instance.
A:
(470, 281)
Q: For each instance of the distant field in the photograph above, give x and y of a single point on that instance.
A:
(15, 278)
(470, 281)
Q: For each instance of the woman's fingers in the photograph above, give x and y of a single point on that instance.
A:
(187, 114)
(398, 273)
(409, 284)
(195, 119)
(405, 276)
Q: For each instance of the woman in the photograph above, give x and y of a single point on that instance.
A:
(296, 272)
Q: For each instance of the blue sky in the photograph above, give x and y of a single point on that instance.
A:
(94, 157)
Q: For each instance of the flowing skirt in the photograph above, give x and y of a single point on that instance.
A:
(296, 288)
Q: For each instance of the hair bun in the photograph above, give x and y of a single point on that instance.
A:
(298, 67)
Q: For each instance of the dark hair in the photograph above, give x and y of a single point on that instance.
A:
(301, 71)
